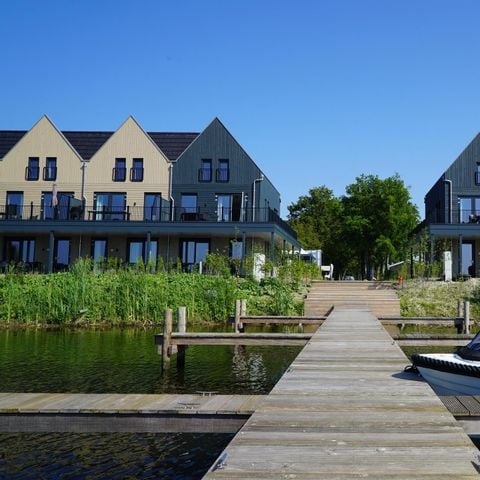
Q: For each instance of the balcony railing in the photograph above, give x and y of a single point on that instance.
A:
(477, 178)
(204, 174)
(136, 174)
(222, 175)
(32, 173)
(75, 211)
(49, 173)
(119, 174)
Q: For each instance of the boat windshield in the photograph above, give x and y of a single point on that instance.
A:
(475, 343)
(472, 350)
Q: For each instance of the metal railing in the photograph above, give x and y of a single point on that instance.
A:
(75, 211)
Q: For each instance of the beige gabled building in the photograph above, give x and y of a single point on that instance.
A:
(71, 194)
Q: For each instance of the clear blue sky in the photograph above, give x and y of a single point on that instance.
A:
(317, 92)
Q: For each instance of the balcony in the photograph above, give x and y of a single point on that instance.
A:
(136, 174)
(119, 174)
(32, 173)
(222, 175)
(74, 211)
(49, 173)
(204, 174)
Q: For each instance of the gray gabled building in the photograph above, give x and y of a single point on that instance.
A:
(452, 210)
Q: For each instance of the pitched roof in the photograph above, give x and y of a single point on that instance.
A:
(8, 139)
(172, 144)
(87, 143)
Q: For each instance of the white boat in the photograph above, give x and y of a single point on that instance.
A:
(452, 373)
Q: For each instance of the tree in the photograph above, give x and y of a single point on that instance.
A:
(379, 216)
(318, 220)
(361, 232)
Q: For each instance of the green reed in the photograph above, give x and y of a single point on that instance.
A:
(129, 296)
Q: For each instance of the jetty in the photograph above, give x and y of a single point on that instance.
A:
(345, 409)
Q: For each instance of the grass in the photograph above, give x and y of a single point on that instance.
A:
(424, 298)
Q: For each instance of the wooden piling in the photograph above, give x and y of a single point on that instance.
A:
(238, 308)
(167, 335)
(243, 313)
(466, 317)
(182, 328)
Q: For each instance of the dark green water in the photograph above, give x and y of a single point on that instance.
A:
(123, 361)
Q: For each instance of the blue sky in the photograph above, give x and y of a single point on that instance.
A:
(317, 92)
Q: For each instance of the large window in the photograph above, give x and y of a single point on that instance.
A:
(120, 170)
(138, 251)
(14, 207)
(33, 169)
(50, 170)
(229, 207)
(136, 173)
(110, 206)
(189, 209)
(152, 206)
(205, 173)
(99, 250)
(193, 252)
(469, 209)
(223, 171)
(20, 250)
(61, 255)
(60, 211)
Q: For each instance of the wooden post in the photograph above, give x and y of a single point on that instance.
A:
(243, 313)
(182, 328)
(236, 325)
(460, 323)
(167, 335)
(466, 317)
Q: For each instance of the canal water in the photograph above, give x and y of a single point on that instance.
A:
(122, 361)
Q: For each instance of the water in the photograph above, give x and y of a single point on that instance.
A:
(123, 361)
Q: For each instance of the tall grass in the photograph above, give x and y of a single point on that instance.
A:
(132, 296)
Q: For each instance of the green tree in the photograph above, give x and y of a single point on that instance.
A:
(379, 216)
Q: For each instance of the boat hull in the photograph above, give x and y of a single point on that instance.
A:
(450, 382)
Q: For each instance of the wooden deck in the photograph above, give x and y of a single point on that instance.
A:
(344, 409)
(70, 412)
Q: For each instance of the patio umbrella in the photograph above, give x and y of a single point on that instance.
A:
(54, 195)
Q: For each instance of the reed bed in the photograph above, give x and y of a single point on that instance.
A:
(131, 297)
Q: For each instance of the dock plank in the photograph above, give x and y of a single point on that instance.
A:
(345, 409)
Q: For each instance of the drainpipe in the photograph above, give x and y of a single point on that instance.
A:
(259, 179)
(450, 187)
(172, 200)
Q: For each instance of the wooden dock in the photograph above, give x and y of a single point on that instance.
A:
(344, 409)
(70, 412)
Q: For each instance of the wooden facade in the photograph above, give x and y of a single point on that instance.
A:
(66, 195)
(452, 210)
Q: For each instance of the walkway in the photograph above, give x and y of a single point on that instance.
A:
(342, 410)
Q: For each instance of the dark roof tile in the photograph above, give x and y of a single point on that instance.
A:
(173, 144)
(8, 139)
(87, 143)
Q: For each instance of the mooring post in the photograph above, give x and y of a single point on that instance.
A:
(167, 335)
(182, 328)
(460, 322)
(243, 313)
(238, 307)
(466, 317)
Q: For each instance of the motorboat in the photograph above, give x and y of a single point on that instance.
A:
(452, 373)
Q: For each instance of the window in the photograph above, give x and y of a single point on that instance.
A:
(205, 173)
(33, 169)
(229, 207)
(236, 249)
(469, 209)
(223, 171)
(136, 172)
(110, 206)
(120, 170)
(193, 252)
(50, 170)
(99, 250)
(14, 208)
(137, 251)
(189, 209)
(60, 211)
(152, 206)
(61, 254)
(20, 250)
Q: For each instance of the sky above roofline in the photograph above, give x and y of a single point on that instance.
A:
(316, 92)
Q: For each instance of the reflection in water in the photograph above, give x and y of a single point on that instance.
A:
(108, 456)
(124, 361)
